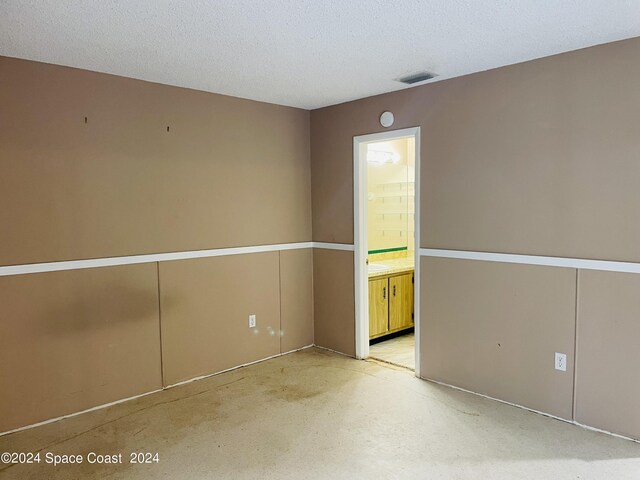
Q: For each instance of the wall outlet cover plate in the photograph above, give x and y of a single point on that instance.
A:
(561, 362)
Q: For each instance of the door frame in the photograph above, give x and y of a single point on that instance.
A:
(360, 143)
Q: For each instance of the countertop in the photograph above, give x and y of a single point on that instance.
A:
(393, 266)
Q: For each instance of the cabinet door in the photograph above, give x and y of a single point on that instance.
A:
(401, 301)
(378, 307)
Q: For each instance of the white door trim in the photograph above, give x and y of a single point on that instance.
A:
(360, 236)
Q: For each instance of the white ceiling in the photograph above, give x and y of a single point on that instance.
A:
(304, 53)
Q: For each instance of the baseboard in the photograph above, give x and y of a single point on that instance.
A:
(565, 420)
(202, 377)
(122, 400)
(334, 351)
(209, 375)
(75, 414)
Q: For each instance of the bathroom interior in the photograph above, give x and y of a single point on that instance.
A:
(391, 245)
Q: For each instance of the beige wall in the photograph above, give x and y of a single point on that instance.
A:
(333, 300)
(296, 299)
(76, 339)
(538, 158)
(535, 158)
(205, 305)
(229, 172)
(494, 328)
(607, 387)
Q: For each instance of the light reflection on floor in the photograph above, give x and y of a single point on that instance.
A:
(398, 350)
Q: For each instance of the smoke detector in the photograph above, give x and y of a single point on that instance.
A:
(417, 77)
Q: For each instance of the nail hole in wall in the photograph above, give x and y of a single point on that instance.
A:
(167, 128)
(86, 120)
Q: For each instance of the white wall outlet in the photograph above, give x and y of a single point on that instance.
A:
(252, 321)
(561, 362)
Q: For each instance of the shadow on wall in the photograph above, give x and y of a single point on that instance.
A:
(78, 313)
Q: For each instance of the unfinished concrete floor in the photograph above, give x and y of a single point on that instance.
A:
(318, 415)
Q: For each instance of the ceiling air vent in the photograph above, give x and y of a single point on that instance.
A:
(416, 78)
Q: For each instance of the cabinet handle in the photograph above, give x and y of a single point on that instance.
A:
(384, 292)
(394, 290)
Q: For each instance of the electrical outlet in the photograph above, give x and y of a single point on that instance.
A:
(252, 321)
(561, 362)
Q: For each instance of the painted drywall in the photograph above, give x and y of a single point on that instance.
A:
(76, 339)
(96, 166)
(228, 173)
(607, 388)
(494, 328)
(296, 299)
(333, 300)
(205, 304)
(538, 158)
(535, 158)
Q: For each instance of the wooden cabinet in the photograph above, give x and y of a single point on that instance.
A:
(400, 302)
(378, 307)
(390, 304)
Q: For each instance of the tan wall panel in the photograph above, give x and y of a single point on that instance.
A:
(607, 387)
(493, 328)
(230, 172)
(539, 158)
(333, 298)
(76, 339)
(534, 158)
(205, 305)
(296, 299)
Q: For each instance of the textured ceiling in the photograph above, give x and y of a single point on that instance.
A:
(304, 53)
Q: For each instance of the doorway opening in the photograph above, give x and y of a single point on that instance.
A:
(386, 231)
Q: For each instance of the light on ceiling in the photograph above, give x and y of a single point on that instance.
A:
(380, 157)
(386, 119)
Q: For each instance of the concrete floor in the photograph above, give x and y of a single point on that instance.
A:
(398, 350)
(318, 415)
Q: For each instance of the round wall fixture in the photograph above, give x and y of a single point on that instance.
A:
(386, 119)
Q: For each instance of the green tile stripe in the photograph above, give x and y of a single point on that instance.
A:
(386, 250)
